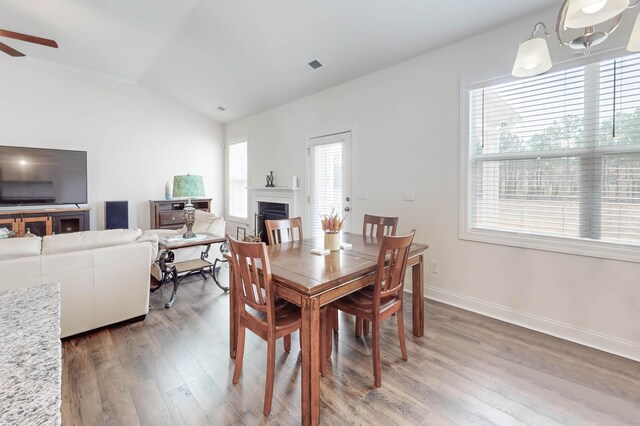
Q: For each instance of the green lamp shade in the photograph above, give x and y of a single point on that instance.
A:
(188, 186)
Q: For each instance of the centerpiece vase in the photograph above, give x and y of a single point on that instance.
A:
(332, 241)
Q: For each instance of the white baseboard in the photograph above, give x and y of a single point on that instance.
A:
(623, 348)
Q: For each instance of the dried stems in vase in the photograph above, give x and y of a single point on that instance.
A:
(332, 223)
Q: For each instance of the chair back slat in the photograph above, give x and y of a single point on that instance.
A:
(392, 264)
(253, 288)
(283, 230)
(379, 226)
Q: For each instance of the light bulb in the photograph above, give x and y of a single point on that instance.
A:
(594, 7)
(531, 66)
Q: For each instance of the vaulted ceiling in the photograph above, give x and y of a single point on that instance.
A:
(246, 55)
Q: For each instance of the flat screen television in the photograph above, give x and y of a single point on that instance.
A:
(36, 176)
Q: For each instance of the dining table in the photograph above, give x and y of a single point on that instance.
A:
(312, 281)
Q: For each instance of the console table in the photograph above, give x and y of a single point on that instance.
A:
(43, 222)
(175, 272)
(167, 214)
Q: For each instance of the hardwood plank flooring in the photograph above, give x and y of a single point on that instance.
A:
(174, 369)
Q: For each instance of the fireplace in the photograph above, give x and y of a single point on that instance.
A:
(269, 211)
(281, 203)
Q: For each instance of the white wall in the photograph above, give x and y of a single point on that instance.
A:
(135, 139)
(406, 125)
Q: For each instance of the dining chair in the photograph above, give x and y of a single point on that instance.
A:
(377, 226)
(381, 301)
(280, 231)
(258, 310)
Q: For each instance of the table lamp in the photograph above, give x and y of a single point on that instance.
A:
(188, 186)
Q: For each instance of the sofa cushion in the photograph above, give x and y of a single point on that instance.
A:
(87, 240)
(206, 223)
(11, 248)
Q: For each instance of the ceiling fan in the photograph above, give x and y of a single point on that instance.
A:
(24, 37)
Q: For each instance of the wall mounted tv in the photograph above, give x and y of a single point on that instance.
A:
(35, 176)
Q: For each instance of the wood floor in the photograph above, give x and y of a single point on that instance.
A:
(174, 368)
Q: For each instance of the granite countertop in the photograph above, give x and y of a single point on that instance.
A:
(30, 356)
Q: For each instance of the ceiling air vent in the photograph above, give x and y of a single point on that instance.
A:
(311, 66)
(221, 109)
(315, 64)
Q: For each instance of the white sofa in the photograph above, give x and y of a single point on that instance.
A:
(103, 275)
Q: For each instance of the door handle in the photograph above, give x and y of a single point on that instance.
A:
(347, 209)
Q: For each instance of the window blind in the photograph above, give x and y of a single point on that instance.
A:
(326, 185)
(559, 154)
(238, 180)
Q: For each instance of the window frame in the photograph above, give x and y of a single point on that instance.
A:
(229, 143)
(567, 245)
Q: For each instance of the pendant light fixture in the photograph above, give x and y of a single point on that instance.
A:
(581, 24)
(533, 55)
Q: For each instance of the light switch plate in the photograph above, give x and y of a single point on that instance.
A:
(408, 195)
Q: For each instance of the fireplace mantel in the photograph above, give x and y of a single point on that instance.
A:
(276, 194)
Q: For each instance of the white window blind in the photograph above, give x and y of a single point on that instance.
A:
(558, 155)
(238, 179)
(326, 182)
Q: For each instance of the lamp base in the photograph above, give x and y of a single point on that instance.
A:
(189, 215)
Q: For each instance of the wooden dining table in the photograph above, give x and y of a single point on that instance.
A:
(311, 282)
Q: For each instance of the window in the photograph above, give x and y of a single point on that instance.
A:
(553, 161)
(238, 179)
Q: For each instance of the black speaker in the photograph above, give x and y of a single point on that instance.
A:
(116, 214)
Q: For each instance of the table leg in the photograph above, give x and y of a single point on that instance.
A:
(417, 275)
(214, 275)
(233, 326)
(176, 283)
(310, 333)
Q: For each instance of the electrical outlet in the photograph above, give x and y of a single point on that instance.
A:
(408, 195)
(434, 266)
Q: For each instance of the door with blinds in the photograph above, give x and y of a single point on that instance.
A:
(329, 178)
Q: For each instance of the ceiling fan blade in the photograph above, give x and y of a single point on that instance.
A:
(10, 50)
(29, 38)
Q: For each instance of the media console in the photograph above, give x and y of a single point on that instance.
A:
(43, 222)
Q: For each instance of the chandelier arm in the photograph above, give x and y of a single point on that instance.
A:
(560, 30)
(616, 23)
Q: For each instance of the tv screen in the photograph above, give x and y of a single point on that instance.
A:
(35, 176)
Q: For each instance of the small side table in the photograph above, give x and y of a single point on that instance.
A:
(176, 271)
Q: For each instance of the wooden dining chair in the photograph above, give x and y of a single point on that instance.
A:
(381, 301)
(378, 226)
(258, 310)
(374, 226)
(283, 230)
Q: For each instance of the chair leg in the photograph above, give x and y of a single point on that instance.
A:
(403, 346)
(335, 320)
(358, 326)
(271, 366)
(239, 355)
(375, 347)
(365, 327)
(287, 343)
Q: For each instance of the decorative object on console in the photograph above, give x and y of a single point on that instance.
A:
(188, 186)
(270, 179)
(584, 15)
(332, 224)
(167, 191)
